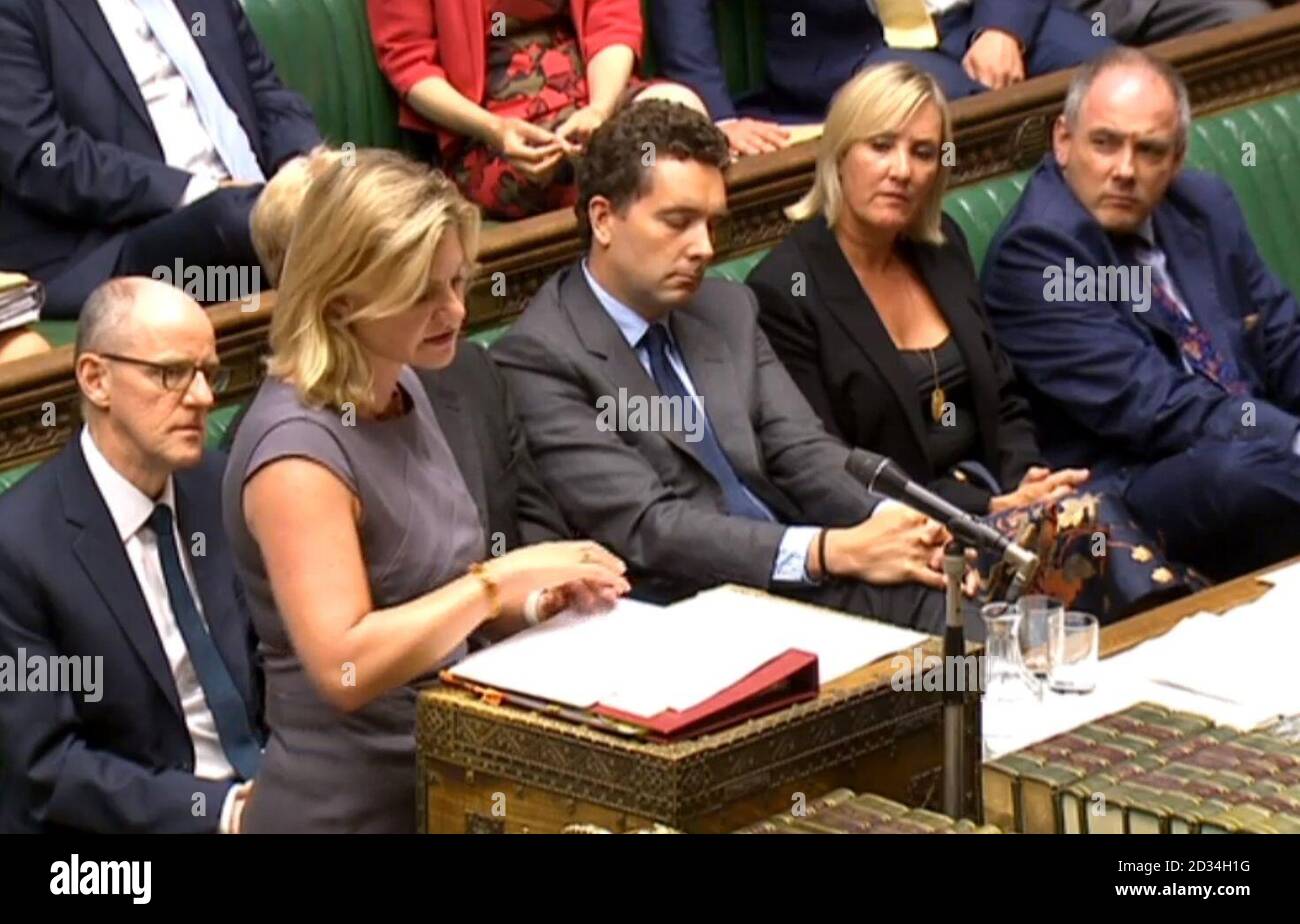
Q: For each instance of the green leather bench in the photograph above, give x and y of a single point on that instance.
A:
(1269, 192)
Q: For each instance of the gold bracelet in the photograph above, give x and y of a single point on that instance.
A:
(490, 588)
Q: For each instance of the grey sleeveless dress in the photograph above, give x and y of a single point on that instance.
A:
(324, 770)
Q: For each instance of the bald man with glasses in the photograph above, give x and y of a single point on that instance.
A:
(113, 557)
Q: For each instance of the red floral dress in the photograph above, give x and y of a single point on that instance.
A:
(535, 72)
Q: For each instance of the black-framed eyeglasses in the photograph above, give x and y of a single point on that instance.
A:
(179, 376)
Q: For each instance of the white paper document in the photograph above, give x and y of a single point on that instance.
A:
(645, 659)
(1236, 669)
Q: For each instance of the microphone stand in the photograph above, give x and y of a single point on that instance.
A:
(954, 646)
(1024, 564)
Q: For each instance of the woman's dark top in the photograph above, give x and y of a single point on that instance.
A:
(954, 437)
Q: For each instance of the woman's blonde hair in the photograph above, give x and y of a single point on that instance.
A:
(878, 99)
(276, 209)
(361, 250)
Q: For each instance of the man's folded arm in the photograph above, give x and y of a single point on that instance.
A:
(70, 783)
(61, 170)
(609, 492)
(1100, 368)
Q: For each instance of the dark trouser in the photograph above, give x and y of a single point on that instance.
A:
(1064, 40)
(210, 232)
(1225, 508)
(1141, 22)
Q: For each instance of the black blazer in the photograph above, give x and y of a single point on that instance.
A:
(842, 357)
(478, 418)
(80, 161)
(126, 762)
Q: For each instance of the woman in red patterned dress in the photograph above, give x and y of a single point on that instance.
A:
(511, 89)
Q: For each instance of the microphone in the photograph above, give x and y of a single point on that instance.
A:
(883, 476)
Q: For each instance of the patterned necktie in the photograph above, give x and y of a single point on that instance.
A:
(1194, 341)
(225, 703)
(228, 136)
(708, 450)
(907, 24)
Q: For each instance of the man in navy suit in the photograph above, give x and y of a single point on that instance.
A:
(113, 554)
(133, 134)
(813, 47)
(1158, 348)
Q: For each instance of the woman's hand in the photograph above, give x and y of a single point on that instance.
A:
(582, 574)
(1040, 486)
(575, 131)
(530, 149)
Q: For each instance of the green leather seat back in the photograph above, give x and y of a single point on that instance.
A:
(322, 49)
(1256, 148)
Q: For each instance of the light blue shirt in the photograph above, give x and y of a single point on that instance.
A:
(792, 556)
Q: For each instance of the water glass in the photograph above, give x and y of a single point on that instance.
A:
(1074, 653)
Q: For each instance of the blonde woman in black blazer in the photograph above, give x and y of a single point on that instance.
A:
(874, 307)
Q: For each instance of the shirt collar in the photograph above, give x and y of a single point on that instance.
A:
(630, 324)
(1146, 231)
(129, 507)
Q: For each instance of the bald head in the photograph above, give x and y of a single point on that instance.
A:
(120, 311)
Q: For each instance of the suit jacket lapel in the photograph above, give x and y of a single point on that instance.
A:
(460, 439)
(849, 303)
(1189, 263)
(706, 357)
(601, 337)
(101, 553)
(90, 22)
(940, 277)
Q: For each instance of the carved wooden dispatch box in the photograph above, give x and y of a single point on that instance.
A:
(497, 768)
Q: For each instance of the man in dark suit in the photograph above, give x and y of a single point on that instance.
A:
(1158, 348)
(135, 134)
(113, 553)
(812, 47)
(660, 418)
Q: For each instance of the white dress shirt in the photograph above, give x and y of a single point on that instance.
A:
(130, 510)
(185, 141)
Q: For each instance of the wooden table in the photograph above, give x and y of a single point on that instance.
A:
(1220, 598)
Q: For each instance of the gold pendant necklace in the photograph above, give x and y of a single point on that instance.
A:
(938, 398)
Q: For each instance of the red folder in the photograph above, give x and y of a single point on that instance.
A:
(788, 678)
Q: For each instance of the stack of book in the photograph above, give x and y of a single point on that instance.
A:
(840, 811)
(843, 812)
(1151, 770)
(20, 301)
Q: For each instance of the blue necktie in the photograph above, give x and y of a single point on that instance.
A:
(708, 450)
(224, 701)
(228, 136)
